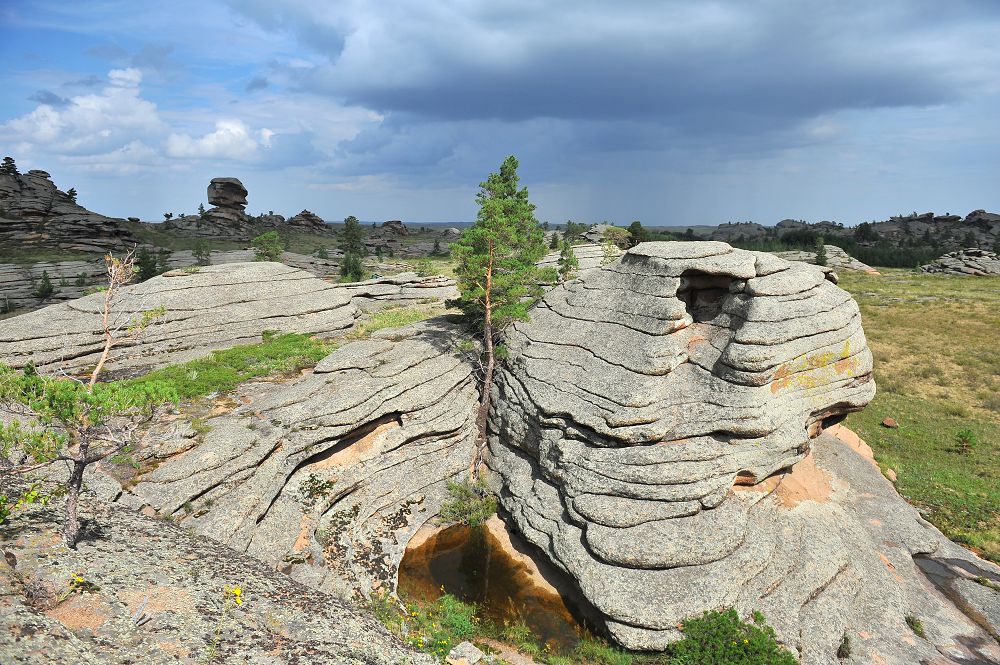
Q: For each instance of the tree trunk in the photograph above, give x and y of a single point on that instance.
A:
(484, 399)
(71, 530)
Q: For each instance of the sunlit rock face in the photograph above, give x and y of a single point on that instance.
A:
(639, 395)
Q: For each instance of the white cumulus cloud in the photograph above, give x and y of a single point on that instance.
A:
(88, 124)
(232, 139)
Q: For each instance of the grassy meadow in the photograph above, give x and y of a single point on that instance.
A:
(936, 342)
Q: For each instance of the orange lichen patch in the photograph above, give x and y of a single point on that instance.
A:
(305, 534)
(161, 599)
(359, 450)
(81, 611)
(890, 566)
(799, 372)
(854, 442)
(745, 478)
(805, 482)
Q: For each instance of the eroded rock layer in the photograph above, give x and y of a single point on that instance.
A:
(328, 476)
(638, 396)
(210, 307)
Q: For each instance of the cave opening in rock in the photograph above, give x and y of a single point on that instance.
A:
(703, 295)
(472, 564)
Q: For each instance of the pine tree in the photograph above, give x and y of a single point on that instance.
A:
(202, 253)
(352, 244)
(71, 193)
(267, 247)
(145, 263)
(498, 280)
(9, 167)
(44, 290)
(554, 243)
(568, 263)
(637, 233)
(820, 252)
(353, 240)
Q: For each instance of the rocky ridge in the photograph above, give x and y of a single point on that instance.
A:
(643, 431)
(971, 261)
(36, 215)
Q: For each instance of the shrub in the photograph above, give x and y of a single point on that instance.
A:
(720, 637)
(965, 441)
(915, 624)
(267, 247)
(352, 270)
(468, 504)
(44, 290)
(202, 253)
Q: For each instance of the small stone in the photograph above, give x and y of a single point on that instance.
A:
(465, 653)
(890, 474)
(890, 423)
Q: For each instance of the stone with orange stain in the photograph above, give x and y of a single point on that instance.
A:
(855, 442)
(83, 611)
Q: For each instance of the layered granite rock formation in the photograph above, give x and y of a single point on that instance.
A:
(326, 477)
(309, 221)
(972, 261)
(226, 219)
(638, 396)
(36, 215)
(212, 308)
(836, 258)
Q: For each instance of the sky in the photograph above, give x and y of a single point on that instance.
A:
(669, 112)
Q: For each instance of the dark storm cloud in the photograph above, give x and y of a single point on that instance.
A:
(48, 97)
(705, 67)
(256, 83)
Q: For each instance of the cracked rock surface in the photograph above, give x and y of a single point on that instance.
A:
(155, 593)
(328, 476)
(643, 431)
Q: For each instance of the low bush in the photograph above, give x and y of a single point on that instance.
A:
(720, 637)
(468, 504)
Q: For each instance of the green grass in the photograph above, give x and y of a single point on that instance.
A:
(223, 370)
(711, 639)
(937, 367)
(394, 317)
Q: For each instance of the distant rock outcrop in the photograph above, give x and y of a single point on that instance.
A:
(654, 435)
(972, 261)
(836, 258)
(228, 217)
(308, 220)
(394, 227)
(589, 255)
(36, 215)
